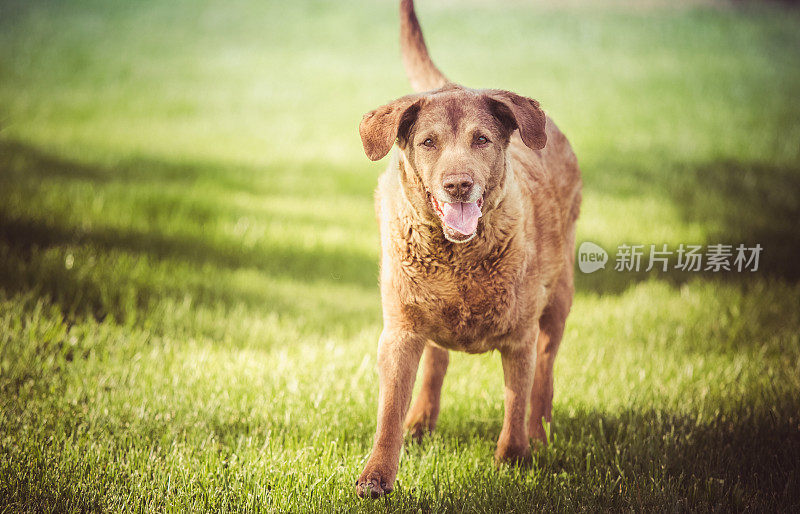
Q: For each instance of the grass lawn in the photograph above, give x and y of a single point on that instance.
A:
(189, 307)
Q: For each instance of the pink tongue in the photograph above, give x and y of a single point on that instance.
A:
(461, 217)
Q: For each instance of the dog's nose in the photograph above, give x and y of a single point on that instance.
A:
(458, 185)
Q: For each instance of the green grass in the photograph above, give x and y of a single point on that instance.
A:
(188, 257)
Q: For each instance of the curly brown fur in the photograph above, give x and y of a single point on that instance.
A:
(505, 286)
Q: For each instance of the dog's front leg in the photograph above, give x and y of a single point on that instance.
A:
(398, 358)
(518, 365)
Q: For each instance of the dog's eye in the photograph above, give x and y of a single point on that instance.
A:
(428, 142)
(481, 140)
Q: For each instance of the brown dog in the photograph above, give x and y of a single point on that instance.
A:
(477, 214)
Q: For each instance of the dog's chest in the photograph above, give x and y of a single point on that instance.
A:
(468, 308)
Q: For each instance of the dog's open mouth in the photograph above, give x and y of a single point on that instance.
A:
(459, 219)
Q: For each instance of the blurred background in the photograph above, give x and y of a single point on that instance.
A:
(189, 306)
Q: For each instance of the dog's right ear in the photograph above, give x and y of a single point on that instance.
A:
(517, 112)
(380, 128)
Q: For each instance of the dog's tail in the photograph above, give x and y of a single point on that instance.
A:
(422, 73)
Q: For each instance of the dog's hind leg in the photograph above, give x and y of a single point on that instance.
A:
(423, 414)
(551, 330)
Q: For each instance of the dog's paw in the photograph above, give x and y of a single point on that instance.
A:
(373, 484)
(416, 433)
(513, 455)
(418, 428)
(538, 433)
(419, 421)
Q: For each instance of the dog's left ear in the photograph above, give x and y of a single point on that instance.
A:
(518, 112)
(380, 128)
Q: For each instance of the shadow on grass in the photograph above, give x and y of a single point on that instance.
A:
(752, 203)
(746, 203)
(307, 266)
(22, 162)
(28, 162)
(26, 266)
(744, 458)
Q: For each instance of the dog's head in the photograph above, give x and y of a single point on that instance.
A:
(455, 141)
